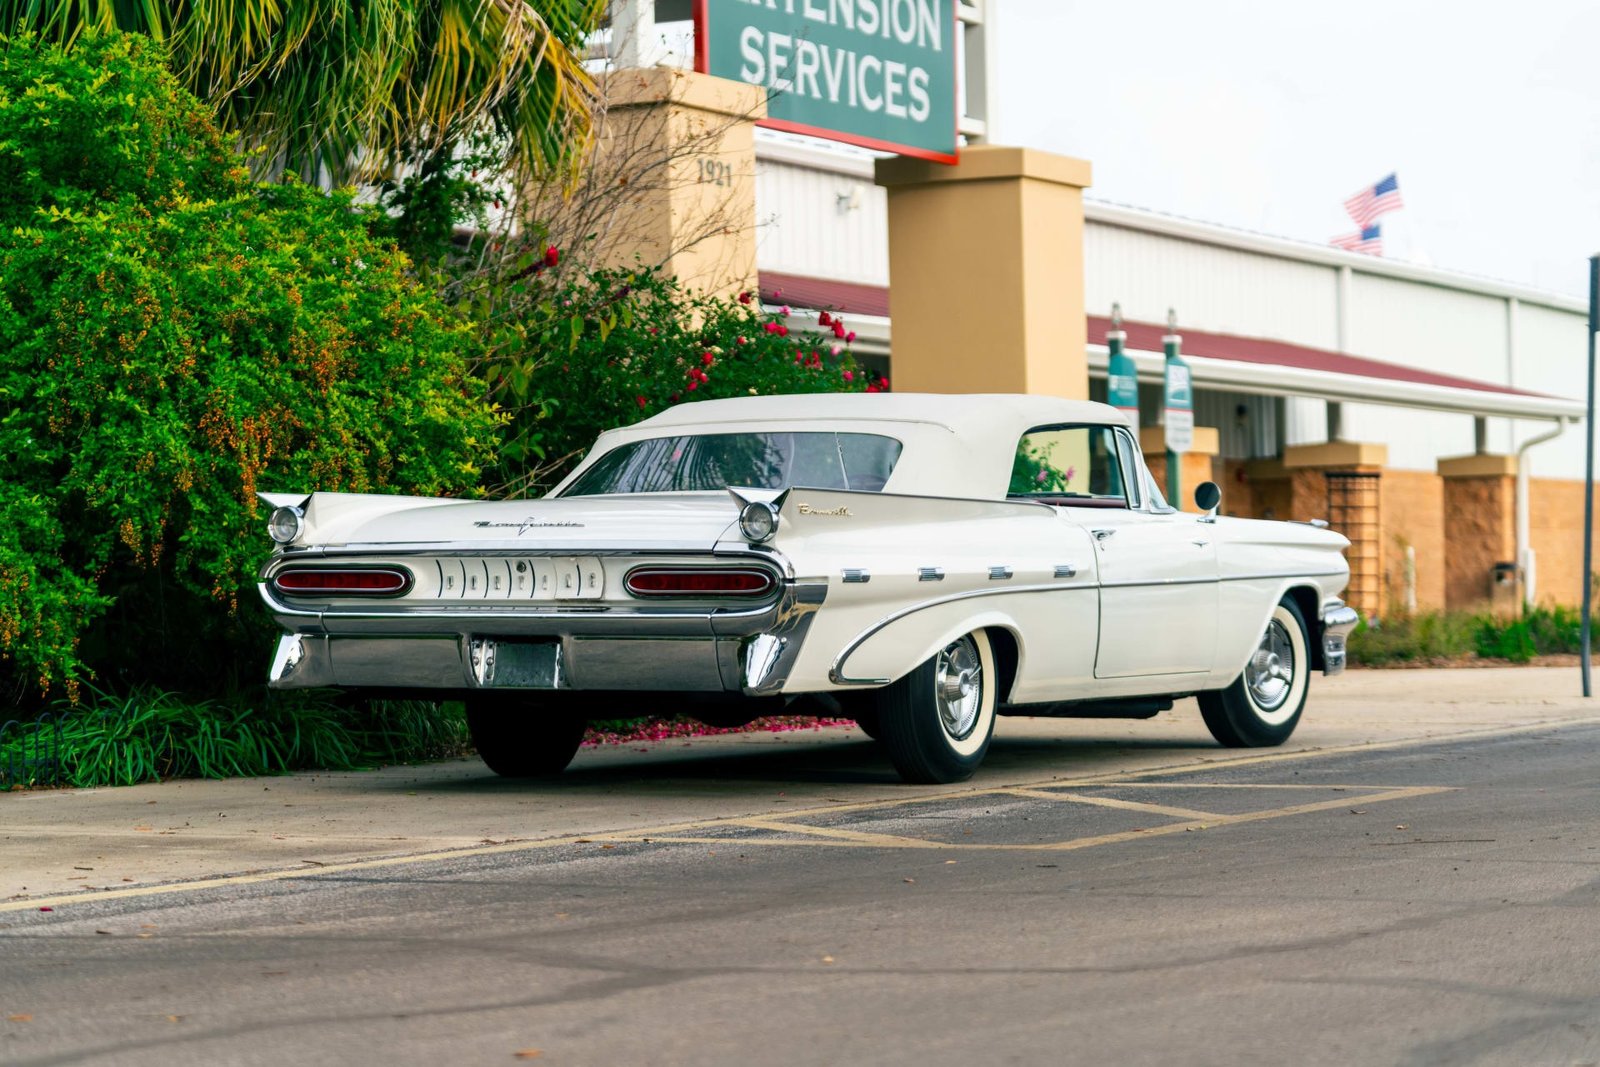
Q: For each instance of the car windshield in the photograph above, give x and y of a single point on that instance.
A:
(770, 460)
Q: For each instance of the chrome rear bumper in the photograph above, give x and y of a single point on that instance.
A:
(1337, 621)
(739, 650)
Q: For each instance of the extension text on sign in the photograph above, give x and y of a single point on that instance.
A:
(878, 73)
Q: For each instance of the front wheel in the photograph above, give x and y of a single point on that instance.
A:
(1262, 706)
(937, 721)
(525, 735)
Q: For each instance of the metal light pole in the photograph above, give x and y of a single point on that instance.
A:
(1588, 474)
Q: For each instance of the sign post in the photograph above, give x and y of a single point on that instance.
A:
(875, 73)
(1122, 376)
(1177, 410)
(1588, 479)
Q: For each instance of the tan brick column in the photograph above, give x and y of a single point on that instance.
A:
(1340, 481)
(683, 143)
(986, 272)
(1197, 463)
(1480, 530)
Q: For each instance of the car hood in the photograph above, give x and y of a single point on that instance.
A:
(694, 521)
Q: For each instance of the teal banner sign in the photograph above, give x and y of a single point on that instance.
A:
(876, 73)
(1122, 375)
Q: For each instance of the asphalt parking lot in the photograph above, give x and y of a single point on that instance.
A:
(1405, 899)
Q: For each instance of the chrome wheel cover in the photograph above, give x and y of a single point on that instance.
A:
(958, 688)
(1270, 674)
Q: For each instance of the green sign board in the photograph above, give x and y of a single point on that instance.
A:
(877, 73)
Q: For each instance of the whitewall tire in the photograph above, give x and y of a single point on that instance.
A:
(1262, 706)
(937, 721)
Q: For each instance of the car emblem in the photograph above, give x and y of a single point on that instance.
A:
(527, 524)
(838, 512)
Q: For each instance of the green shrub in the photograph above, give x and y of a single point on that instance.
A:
(150, 735)
(1455, 635)
(164, 355)
(1410, 639)
(579, 354)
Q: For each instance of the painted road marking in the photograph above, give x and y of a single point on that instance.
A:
(1113, 802)
(663, 833)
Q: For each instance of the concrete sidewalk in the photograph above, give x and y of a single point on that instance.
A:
(61, 841)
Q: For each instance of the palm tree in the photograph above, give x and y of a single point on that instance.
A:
(346, 89)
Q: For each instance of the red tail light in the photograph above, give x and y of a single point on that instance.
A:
(698, 581)
(351, 581)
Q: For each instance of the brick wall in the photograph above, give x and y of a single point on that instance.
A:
(1555, 529)
(1413, 514)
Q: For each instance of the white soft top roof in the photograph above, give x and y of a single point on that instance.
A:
(954, 444)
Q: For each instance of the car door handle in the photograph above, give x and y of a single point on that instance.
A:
(1101, 535)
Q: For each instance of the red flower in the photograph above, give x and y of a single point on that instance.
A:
(551, 256)
(673, 399)
(744, 297)
(782, 330)
(838, 328)
(693, 386)
(824, 319)
(707, 358)
(642, 401)
(849, 376)
(850, 337)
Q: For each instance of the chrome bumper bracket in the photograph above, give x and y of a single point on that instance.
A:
(1338, 620)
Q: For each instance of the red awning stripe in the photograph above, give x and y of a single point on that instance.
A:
(822, 294)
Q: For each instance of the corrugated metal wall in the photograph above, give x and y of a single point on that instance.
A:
(1223, 290)
(820, 223)
(830, 221)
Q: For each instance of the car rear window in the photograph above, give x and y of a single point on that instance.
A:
(772, 460)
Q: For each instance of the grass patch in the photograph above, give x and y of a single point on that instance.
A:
(149, 735)
(1433, 637)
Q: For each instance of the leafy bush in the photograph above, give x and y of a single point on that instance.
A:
(574, 355)
(172, 339)
(150, 735)
(1444, 636)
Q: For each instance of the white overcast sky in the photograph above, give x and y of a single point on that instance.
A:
(1266, 114)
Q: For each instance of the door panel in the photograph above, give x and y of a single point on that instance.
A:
(1158, 593)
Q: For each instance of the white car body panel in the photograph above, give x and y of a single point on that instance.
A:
(866, 585)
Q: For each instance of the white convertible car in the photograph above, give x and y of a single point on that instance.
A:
(919, 563)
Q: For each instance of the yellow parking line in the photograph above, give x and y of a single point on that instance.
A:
(1126, 778)
(884, 840)
(1113, 802)
(1234, 820)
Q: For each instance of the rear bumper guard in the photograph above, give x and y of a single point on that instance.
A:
(1338, 619)
(746, 651)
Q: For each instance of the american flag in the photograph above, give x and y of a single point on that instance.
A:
(1368, 239)
(1374, 200)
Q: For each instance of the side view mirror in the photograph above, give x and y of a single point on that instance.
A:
(1207, 495)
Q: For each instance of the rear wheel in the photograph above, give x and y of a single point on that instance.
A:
(937, 721)
(1262, 706)
(525, 735)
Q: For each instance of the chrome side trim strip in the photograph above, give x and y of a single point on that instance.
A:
(856, 575)
(999, 574)
(836, 673)
(1224, 578)
(930, 574)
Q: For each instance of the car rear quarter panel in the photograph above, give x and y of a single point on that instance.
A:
(997, 562)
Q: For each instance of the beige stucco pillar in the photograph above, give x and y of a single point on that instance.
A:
(1480, 501)
(679, 148)
(986, 272)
